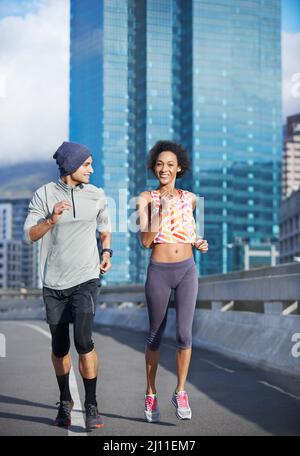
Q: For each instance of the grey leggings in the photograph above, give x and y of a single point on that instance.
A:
(181, 276)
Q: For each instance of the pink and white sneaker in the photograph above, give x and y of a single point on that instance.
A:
(180, 401)
(152, 413)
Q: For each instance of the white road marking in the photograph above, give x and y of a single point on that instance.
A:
(218, 367)
(278, 389)
(77, 412)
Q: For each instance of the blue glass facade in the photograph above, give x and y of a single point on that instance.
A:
(86, 78)
(237, 123)
(203, 73)
(115, 129)
(99, 107)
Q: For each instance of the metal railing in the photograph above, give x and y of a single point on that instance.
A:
(264, 290)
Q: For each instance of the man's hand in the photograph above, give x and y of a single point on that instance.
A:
(58, 210)
(201, 245)
(36, 232)
(105, 264)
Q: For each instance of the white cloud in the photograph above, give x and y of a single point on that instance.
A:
(2, 86)
(290, 70)
(34, 70)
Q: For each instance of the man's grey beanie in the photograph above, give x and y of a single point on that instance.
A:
(70, 156)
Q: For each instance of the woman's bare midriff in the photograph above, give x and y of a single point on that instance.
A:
(171, 253)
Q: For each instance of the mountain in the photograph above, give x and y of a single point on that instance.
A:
(22, 179)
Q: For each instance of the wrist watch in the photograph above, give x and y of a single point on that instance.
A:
(107, 250)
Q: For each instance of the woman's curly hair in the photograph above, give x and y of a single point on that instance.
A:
(177, 149)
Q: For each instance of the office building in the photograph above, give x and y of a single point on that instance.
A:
(202, 73)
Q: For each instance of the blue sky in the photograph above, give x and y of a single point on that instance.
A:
(291, 16)
(18, 7)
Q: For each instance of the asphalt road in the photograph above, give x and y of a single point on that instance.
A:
(227, 397)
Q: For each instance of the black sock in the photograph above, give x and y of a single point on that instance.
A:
(63, 383)
(90, 390)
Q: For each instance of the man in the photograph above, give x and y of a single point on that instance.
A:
(65, 216)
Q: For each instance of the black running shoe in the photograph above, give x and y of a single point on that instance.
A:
(93, 418)
(64, 413)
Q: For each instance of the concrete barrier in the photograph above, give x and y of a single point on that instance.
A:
(258, 339)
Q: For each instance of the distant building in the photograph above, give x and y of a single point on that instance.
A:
(10, 264)
(245, 256)
(291, 157)
(19, 260)
(5, 221)
(289, 240)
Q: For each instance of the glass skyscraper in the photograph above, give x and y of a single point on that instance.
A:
(206, 74)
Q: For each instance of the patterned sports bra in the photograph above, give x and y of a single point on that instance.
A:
(177, 222)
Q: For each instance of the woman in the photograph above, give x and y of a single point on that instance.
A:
(168, 227)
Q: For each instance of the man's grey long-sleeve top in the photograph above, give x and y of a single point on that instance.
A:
(69, 254)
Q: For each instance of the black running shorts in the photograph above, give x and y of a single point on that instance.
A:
(66, 306)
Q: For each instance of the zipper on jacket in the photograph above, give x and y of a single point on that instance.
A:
(74, 215)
